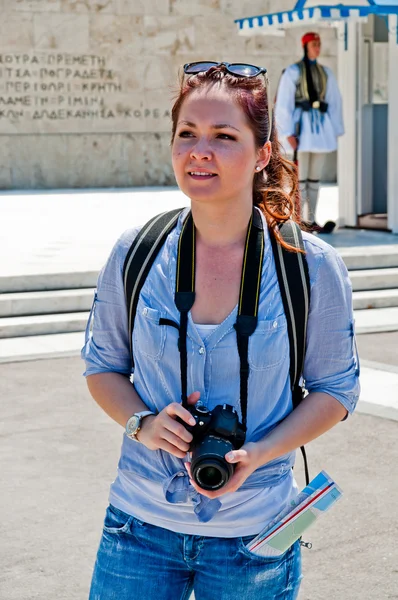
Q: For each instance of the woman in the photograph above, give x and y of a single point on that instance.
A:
(165, 536)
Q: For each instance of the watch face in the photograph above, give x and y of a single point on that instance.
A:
(133, 424)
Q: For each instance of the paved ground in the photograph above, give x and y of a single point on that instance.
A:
(379, 347)
(58, 456)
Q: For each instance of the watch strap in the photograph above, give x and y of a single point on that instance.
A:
(141, 415)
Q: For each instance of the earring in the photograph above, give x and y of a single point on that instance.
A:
(258, 168)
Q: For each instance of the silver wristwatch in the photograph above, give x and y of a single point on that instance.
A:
(133, 425)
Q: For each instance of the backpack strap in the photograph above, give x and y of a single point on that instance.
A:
(291, 268)
(140, 258)
(294, 284)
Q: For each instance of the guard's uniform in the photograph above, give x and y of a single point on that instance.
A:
(317, 121)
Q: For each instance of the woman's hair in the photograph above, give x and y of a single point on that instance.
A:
(275, 188)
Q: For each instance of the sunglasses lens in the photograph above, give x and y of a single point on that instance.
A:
(244, 70)
(199, 67)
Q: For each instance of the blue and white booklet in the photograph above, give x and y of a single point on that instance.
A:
(289, 525)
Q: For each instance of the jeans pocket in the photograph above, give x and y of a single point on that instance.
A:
(116, 521)
(280, 558)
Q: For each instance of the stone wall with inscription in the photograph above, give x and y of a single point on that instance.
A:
(86, 86)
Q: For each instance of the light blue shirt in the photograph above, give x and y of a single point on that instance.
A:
(319, 131)
(153, 485)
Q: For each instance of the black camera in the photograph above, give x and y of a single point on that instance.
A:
(214, 434)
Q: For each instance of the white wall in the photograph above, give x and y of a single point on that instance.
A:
(86, 86)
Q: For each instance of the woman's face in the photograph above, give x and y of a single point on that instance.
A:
(214, 153)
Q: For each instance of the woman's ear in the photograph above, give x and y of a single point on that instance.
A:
(264, 155)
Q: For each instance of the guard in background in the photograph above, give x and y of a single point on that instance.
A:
(309, 116)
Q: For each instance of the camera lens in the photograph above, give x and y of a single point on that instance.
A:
(209, 468)
(211, 476)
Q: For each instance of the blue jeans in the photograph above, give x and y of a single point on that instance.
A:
(136, 560)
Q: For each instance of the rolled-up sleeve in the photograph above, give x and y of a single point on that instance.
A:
(107, 347)
(331, 362)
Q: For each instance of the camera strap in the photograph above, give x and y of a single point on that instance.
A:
(250, 286)
(293, 279)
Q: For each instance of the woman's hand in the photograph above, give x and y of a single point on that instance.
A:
(247, 459)
(164, 432)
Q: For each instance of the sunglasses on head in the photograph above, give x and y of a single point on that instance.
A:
(237, 69)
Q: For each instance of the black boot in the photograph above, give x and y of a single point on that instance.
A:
(328, 227)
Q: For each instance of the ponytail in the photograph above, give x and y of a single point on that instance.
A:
(275, 190)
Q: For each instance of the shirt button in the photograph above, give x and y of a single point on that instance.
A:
(275, 324)
(145, 311)
(201, 350)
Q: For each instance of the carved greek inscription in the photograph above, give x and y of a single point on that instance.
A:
(72, 89)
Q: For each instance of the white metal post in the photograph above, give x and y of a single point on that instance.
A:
(392, 185)
(347, 153)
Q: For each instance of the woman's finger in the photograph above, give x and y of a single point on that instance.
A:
(177, 429)
(236, 456)
(177, 410)
(175, 440)
(171, 449)
(193, 398)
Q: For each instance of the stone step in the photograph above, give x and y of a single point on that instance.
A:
(44, 303)
(42, 324)
(69, 301)
(356, 259)
(38, 282)
(375, 299)
(374, 279)
(376, 320)
(367, 321)
(369, 257)
(36, 347)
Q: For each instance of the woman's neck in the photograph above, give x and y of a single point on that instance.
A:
(222, 226)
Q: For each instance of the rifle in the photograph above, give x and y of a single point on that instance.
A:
(297, 134)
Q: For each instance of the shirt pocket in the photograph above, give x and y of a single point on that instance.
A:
(148, 336)
(269, 344)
